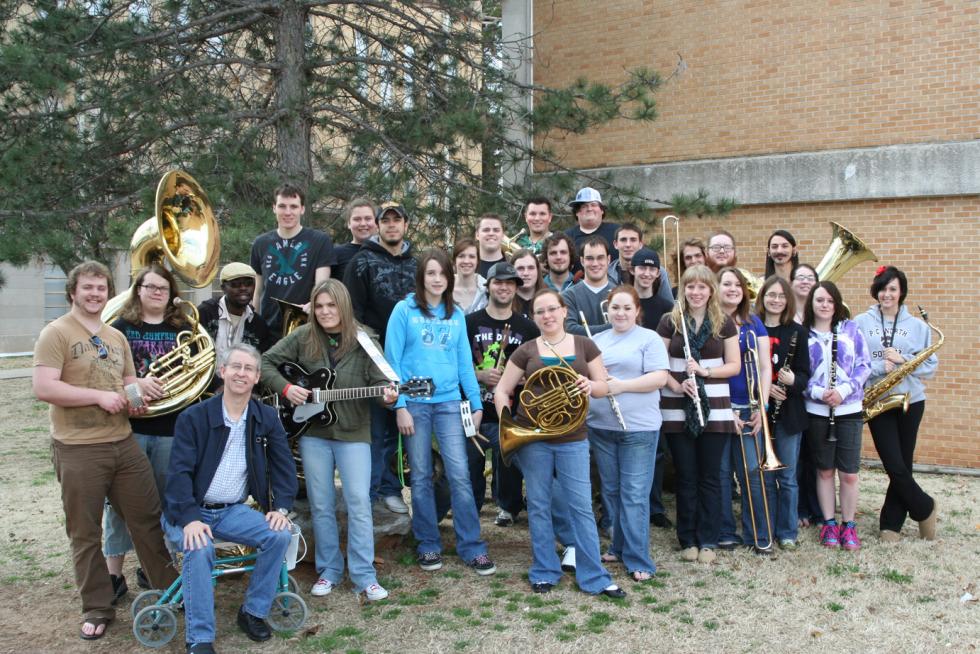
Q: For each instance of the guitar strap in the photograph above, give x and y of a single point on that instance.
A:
(376, 355)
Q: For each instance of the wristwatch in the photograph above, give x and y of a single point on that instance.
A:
(283, 511)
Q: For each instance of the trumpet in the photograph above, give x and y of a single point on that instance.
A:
(750, 361)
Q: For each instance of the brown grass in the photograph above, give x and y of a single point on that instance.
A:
(903, 598)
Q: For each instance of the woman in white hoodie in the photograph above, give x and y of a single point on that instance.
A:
(894, 336)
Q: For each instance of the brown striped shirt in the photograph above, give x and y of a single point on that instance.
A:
(720, 419)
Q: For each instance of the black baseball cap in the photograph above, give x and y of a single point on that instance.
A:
(503, 271)
(645, 257)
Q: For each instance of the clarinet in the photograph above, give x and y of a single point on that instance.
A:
(777, 404)
(831, 424)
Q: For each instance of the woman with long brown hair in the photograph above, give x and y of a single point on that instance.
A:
(330, 340)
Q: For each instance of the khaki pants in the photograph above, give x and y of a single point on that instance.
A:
(89, 474)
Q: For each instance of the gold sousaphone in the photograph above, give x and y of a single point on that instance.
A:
(556, 411)
(183, 235)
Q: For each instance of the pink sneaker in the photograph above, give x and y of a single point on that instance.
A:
(829, 536)
(849, 538)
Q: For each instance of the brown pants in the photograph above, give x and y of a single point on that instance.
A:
(89, 474)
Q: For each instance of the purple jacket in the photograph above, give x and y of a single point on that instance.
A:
(853, 369)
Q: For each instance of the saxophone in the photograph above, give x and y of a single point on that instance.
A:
(876, 398)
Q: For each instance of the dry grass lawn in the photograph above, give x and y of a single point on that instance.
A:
(901, 598)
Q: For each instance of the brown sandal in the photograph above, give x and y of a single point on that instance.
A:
(641, 576)
(95, 622)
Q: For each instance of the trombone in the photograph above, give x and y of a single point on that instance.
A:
(770, 463)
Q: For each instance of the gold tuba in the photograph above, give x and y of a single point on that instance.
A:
(509, 245)
(183, 234)
(876, 401)
(561, 408)
(293, 316)
(844, 252)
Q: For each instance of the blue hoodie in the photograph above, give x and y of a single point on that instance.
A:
(437, 347)
(911, 337)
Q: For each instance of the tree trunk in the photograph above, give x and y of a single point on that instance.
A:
(293, 128)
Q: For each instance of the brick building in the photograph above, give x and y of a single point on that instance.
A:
(867, 114)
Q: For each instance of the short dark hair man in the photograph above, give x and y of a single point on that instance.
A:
(359, 216)
(558, 258)
(588, 297)
(489, 232)
(228, 448)
(629, 239)
(590, 214)
(537, 217)
(485, 329)
(80, 368)
(380, 275)
(291, 259)
(230, 319)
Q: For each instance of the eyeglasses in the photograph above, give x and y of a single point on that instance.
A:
(805, 278)
(238, 367)
(721, 248)
(153, 288)
(103, 350)
(774, 296)
(545, 310)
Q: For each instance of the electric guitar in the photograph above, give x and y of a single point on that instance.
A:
(317, 410)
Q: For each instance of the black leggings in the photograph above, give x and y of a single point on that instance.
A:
(894, 434)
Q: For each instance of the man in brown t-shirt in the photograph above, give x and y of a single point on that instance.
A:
(80, 368)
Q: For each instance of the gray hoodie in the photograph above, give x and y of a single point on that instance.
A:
(912, 335)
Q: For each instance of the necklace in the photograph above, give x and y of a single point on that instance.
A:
(555, 344)
(887, 338)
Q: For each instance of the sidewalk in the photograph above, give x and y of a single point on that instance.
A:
(16, 373)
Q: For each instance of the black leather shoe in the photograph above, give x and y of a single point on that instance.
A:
(614, 592)
(542, 587)
(200, 648)
(141, 579)
(255, 628)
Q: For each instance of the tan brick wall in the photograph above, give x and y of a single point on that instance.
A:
(768, 76)
(911, 234)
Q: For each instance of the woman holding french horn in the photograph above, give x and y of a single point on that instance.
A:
(573, 365)
(702, 349)
(895, 339)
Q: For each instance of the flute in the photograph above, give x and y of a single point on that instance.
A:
(613, 402)
(831, 423)
(691, 375)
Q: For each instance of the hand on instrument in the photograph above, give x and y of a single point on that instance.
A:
(695, 367)
(739, 423)
(690, 388)
(615, 386)
(477, 419)
(489, 378)
(112, 402)
(196, 535)
(777, 393)
(786, 377)
(297, 394)
(390, 393)
(136, 411)
(276, 520)
(405, 422)
(832, 398)
(755, 422)
(893, 355)
(151, 388)
(584, 385)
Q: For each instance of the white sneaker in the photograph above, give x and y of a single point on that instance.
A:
(321, 587)
(375, 592)
(568, 560)
(395, 504)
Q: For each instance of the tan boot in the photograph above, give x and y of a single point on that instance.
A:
(706, 555)
(689, 553)
(889, 536)
(927, 527)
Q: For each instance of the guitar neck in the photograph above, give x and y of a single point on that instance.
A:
(335, 395)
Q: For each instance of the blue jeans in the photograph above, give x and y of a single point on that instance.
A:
(157, 449)
(384, 444)
(752, 487)
(788, 491)
(625, 460)
(321, 457)
(442, 419)
(240, 524)
(507, 480)
(727, 532)
(540, 462)
(561, 518)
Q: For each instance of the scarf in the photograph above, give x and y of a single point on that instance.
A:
(697, 340)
